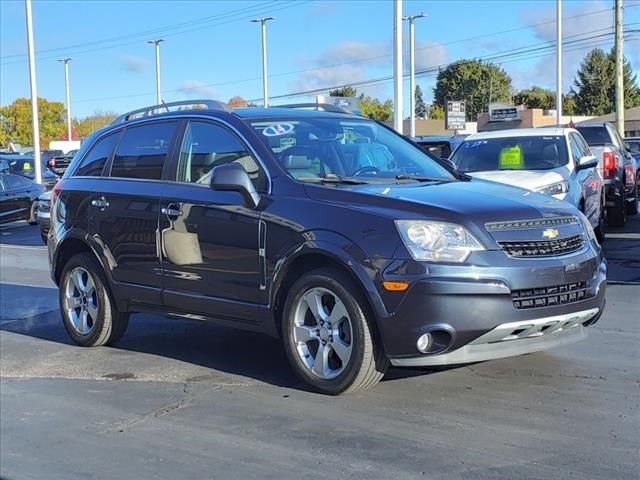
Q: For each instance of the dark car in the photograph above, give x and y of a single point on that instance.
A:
(617, 168)
(633, 147)
(17, 198)
(46, 155)
(442, 146)
(59, 163)
(328, 230)
(43, 216)
(24, 165)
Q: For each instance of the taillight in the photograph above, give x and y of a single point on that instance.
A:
(55, 192)
(52, 162)
(608, 165)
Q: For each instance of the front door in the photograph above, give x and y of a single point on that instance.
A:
(209, 239)
(125, 208)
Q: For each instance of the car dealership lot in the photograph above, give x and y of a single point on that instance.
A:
(182, 399)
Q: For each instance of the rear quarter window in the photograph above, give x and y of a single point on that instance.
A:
(93, 162)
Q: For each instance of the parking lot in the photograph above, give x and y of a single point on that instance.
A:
(186, 399)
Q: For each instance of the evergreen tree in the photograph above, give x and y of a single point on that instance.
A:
(421, 107)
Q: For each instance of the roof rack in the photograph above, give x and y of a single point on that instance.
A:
(157, 109)
(327, 107)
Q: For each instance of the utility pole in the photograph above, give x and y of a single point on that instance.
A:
(66, 83)
(34, 95)
(157, 45)
(619, 70)
(559, 62)
(412, 61)
(398, 110)
(263, 21)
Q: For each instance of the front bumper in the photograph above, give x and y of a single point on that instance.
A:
(480, 302)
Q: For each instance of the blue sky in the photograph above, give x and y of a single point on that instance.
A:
(213, 51)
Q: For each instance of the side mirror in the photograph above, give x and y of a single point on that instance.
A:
(231, 177)
(587, 162)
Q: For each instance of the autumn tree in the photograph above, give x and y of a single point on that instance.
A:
(375, 109)
(237, 102)
(436, 112)
(99, 119)
(477, 83)
(15, 122)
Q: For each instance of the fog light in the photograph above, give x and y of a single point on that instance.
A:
(424, 342)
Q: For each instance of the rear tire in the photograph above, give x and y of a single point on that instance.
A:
(329, 342)
(617, 215)
(89, 313)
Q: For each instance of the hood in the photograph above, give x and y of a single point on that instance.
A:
(471, 203)
(529, 179)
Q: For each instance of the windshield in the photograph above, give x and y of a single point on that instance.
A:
(511, 153)
(313, 148)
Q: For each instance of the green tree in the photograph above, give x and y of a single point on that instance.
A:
(421, 107)
(594, 84)
(375, 109)
(15, 120)
(476, 82)
(436, 112)
(343, 92)
(568, 104)
(536, 97)
(99, 119)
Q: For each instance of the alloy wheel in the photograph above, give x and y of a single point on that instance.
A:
(81, 301)
(322, 333)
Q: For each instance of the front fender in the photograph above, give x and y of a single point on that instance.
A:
(342, 251)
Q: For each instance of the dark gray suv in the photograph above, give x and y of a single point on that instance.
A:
(326, 229)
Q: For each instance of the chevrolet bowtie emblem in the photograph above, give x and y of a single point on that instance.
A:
(550, 233)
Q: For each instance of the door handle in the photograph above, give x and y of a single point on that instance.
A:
(171, 212)
(100, 203)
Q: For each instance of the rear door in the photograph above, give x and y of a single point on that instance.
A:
(124, 209)
(209, 239)
(17, 198)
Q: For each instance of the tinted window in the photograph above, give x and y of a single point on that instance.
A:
(511, 153)
(142, 151)
(634, 146)
(595, 135)
(310, 148)
(205, 146)
(93, 162)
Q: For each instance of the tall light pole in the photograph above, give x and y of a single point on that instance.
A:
(157, 45)
(66, 83)
(263, 21)
(34, 95)
(412, 77)
(619, 70)
(559, 62)
(397, 66)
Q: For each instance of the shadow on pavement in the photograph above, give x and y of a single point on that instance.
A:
(20, 233)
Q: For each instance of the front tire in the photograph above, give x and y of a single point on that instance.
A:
(88, 312)
(328, 340)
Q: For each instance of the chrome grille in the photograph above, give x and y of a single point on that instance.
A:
(543, 248)
(526, 224)
(550, 296)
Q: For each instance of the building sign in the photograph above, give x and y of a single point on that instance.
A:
(455, 115)
(499, 112)
(348, 103)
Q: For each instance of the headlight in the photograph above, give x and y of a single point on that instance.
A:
(437, 241)
(589, 228)
(554, 188)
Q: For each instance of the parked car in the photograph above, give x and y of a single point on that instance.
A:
(442, 146)
(550, 160)
(17, 197)
(43, 214)
(24, 166)
(59, 164)
(633, 147)
(275, 220)
(617, 167)
(46, 155)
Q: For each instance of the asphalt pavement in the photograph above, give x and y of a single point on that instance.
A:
(190, 400)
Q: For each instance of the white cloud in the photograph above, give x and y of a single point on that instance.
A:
(584, 24)
(343, 64)
(131, 63)
(195, 88)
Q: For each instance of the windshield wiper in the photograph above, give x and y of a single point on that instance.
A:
(333, 178)
(418, 178)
